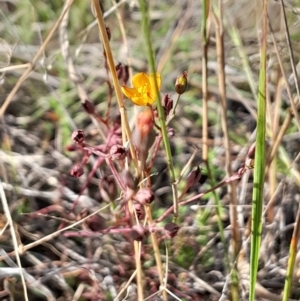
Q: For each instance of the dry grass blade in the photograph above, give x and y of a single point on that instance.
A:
(23, 248)
(223, 100)
(14, 237)
(33, 62)
(293, 65)
(73, 72)
(183, 18)
(205, 38)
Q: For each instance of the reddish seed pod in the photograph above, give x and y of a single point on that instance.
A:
(117, 120)
(125, 74)
(71, 148)
(119, 70)
(145, 122)
(108, 189)
(251, 151)
(128, 179)
(171, 229)
(76, 170)
(144, 196)
(96, 223)
(108, 32)
(249, 163)
(117, 152)
(167, 103)
(193, 177)
(171, 132)
(78, 136)
(89, 107)
(122, 73)
(138, 232)
(140, 211)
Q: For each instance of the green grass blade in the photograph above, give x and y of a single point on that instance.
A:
(236, 39)
(162, 121)
(259, 167)
(257, 198)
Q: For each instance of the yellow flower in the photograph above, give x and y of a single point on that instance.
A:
(143, 92)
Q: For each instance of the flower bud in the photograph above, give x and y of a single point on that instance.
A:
(144, 196)
(117, 152)
(76, 170)
(251, 151)
(125, 74)
(89, 107)
(78, 136)
(108, 32)
(144, 122)
(171, 132)
(193, 177)
(117, 120)
(140, 211)
(167, 103)
(122, 73)
(181, 83)
(171, 229)
(139, 232)
(143, 135)
(119, 70)
(51, 116)
(108, 189)
(96, 223)
(128, 179)
(71, 148)
(249, 163)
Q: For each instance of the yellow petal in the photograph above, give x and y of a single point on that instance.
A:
(140, 100)
(141, 82)
(130, 92)
(158, 79)
(152, 92)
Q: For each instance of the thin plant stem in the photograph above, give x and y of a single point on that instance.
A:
(161, 114)
(289, 116)
(293, 65)
(205, 8)
(234, 177)
(274, 127)
(236, 39)
(232, 186)
(14, 238)
(147, 36)
(205, 40)
(174, 110)
(292, 259)
(156, 253)
(23, 248)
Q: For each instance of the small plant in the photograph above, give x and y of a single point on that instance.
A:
(171, 179)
